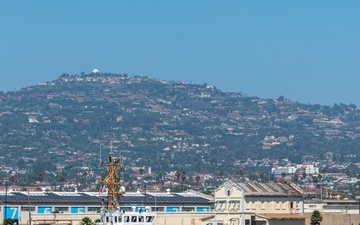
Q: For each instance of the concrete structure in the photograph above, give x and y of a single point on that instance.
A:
(70, 207)
(332, 206)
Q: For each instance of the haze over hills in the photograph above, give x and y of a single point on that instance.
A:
(166, 125)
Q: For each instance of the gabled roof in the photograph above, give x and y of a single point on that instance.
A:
(270, 189)
(253, 188)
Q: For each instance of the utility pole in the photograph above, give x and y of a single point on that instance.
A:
(29, 207)
(215, 222)
(145, 197)
(6, 188)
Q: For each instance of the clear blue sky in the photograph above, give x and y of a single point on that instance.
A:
(308, 51)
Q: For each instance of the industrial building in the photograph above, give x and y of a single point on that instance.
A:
(250, 203)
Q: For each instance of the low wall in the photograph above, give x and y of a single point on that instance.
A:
(336, 219)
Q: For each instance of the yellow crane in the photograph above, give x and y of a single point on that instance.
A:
(112, 182)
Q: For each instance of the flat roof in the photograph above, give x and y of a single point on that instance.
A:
(16, 197)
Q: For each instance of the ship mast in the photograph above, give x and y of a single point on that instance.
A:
(112, 182)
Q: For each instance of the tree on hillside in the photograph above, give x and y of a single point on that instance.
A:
(304, 175)
(40, 176)
(283, 175)
(141, 170)
(241, 173)
(347, 172)
(221, 174)
(177, 175)
(197, 178)
(183, 178)
(296, 177)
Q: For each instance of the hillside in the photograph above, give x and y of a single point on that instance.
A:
(165, 125)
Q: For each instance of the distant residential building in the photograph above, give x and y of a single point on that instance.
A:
(283, 169)
(309, 169)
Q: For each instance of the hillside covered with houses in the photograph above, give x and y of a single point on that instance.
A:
(173, 134)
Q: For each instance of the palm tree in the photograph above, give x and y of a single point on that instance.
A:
(62, 179)
(177, 174)
(323, 171)
(84, 179)
(161, 180)
(342, 195)
(319, 176)
(40, 176)
(261, 175)
(315, 179)
(241, 173)
(296, 177)
(347, 172)
(304, 175)
(316, 217)
(13, 179)
(197, 178)
(183, 178)
(283, 175)
(141, 171)
(221, 173)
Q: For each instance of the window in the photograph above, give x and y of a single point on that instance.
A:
(126, 219)
(94, 209)
(262, 205)
(253, 205)
(141, 219)
(202, 209)
(277, 205)
(62, 209)
(134, 219)
(128, 209)
(172, 209)
(188, 209)
(157, 209)
(149, 218)
(26, 208)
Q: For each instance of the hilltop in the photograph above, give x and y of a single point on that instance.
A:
(60, 126)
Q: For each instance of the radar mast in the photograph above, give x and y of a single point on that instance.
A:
(112, 182)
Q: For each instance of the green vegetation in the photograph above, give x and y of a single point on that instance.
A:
(87, 221)
(316, 217)
(8, 221)
(165, 125)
